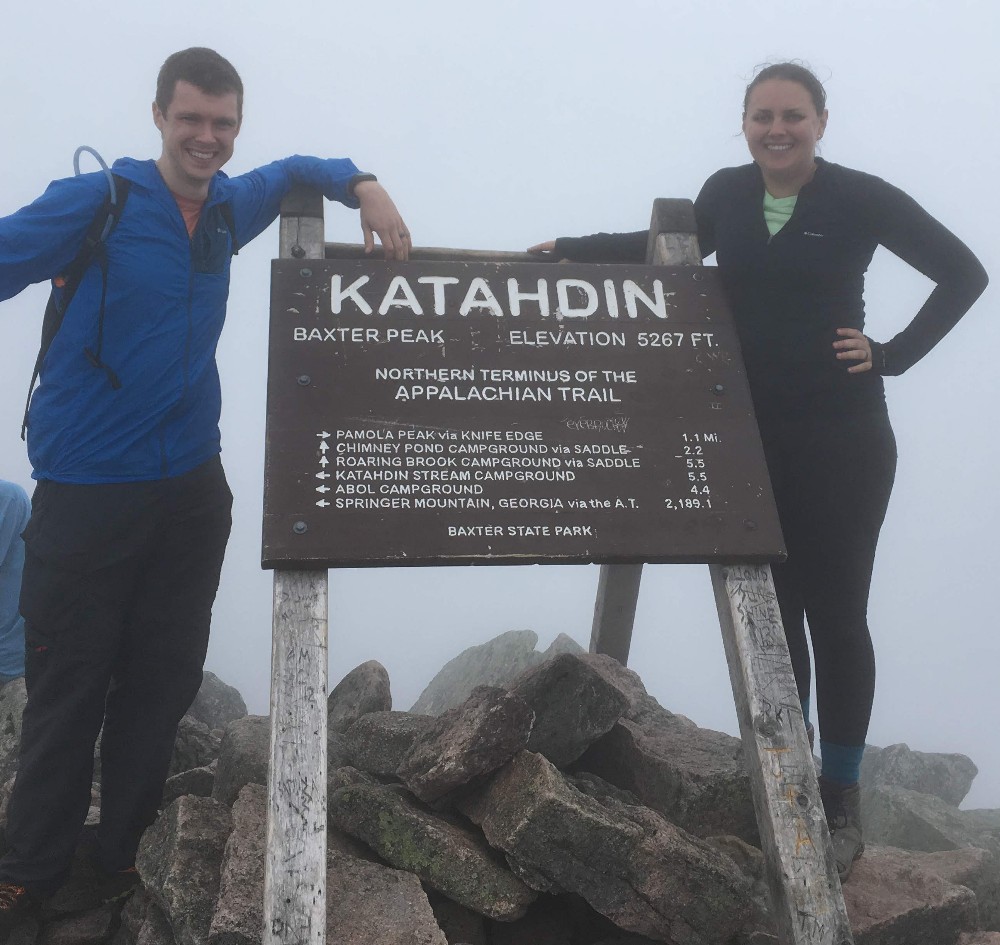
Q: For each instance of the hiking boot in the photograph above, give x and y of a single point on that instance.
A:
(16, 904)
(842, 803)
(116, 886)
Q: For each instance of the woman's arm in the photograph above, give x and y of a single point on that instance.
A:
(904, 228)
(596, 248)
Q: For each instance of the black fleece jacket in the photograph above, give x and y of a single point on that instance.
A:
(791, 291)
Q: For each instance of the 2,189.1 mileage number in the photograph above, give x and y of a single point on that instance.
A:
(682, 504)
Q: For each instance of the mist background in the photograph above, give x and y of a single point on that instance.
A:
(495, 127)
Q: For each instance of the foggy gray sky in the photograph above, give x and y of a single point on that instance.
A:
(498, 126)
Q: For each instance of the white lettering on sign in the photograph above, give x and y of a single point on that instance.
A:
(657, 305)
(480, 287)
(574, 298)
(584, 289)
(406, 300)
(515, 297)
(337, 295)
(438, 283)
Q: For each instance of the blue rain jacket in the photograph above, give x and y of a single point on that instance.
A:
(165, 307)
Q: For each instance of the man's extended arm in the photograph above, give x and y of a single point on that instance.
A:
(257, 196)
(41, 239)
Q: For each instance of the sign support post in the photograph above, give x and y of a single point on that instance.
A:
(295, 866)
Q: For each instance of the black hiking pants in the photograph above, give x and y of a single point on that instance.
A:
(119, 582)
(832, 480)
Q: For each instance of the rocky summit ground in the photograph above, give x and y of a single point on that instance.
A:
(528, 798)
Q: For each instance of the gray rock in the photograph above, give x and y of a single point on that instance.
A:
(495, 663)
(369, 904)
(640, 702)
(458, 923)
(217, 704)
(244, 756)
(179, 861)
(131, 918)
(339, 842)
(751, 863)
(364, 689)
(379, 741)
(196, 746)
(88, 928)
(978, 870)
(547, 922)
(596, 787)
(155, 928)
(12, 699)
(563, 644)
(979, 938)
(466, 743)
(25, 932)
(948, 777)
(896, 817)
(239, 912)
(574, 705)
(987, 820)
(445, 855)
(693, 776)
(646, 875)
(5, 790)
(196, 781)
(890, 901)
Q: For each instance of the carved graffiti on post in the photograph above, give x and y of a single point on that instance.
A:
(805, 892)
(430, 413)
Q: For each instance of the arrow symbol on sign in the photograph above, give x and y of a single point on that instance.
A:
(322, 503)
(322, 488)
(323, 461)
(322, 475)
(324, 446)
(324, 434)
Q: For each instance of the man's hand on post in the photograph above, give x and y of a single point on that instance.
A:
(380, 217)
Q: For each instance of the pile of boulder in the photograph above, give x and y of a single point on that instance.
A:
(527, 797)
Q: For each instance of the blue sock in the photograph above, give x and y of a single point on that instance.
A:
(841, 763)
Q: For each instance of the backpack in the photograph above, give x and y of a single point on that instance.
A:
(93, 251)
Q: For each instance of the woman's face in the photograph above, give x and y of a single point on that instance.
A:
(782, 127)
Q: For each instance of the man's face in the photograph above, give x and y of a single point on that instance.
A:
(199, 131)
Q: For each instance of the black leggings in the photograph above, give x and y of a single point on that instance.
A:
(832, 481)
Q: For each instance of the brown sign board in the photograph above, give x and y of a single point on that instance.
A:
(508, 413)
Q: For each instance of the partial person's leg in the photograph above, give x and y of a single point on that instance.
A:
(79, 569)
(849, 467)
(779, 450)
(854, 463)
(161, 671)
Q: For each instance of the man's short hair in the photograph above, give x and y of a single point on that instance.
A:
(203, 68)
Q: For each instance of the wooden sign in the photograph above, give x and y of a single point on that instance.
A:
(461, 413)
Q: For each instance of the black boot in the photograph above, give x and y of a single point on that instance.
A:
(842, 803)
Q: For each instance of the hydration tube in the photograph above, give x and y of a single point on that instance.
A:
(111, 182)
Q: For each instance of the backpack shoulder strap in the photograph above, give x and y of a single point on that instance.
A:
(67, 282)
(226, 209)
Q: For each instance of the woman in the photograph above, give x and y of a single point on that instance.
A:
(793, 235)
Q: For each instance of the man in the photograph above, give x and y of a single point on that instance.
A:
(14, 511)
(131, 513)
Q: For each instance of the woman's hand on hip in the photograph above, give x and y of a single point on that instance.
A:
(854, 348)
